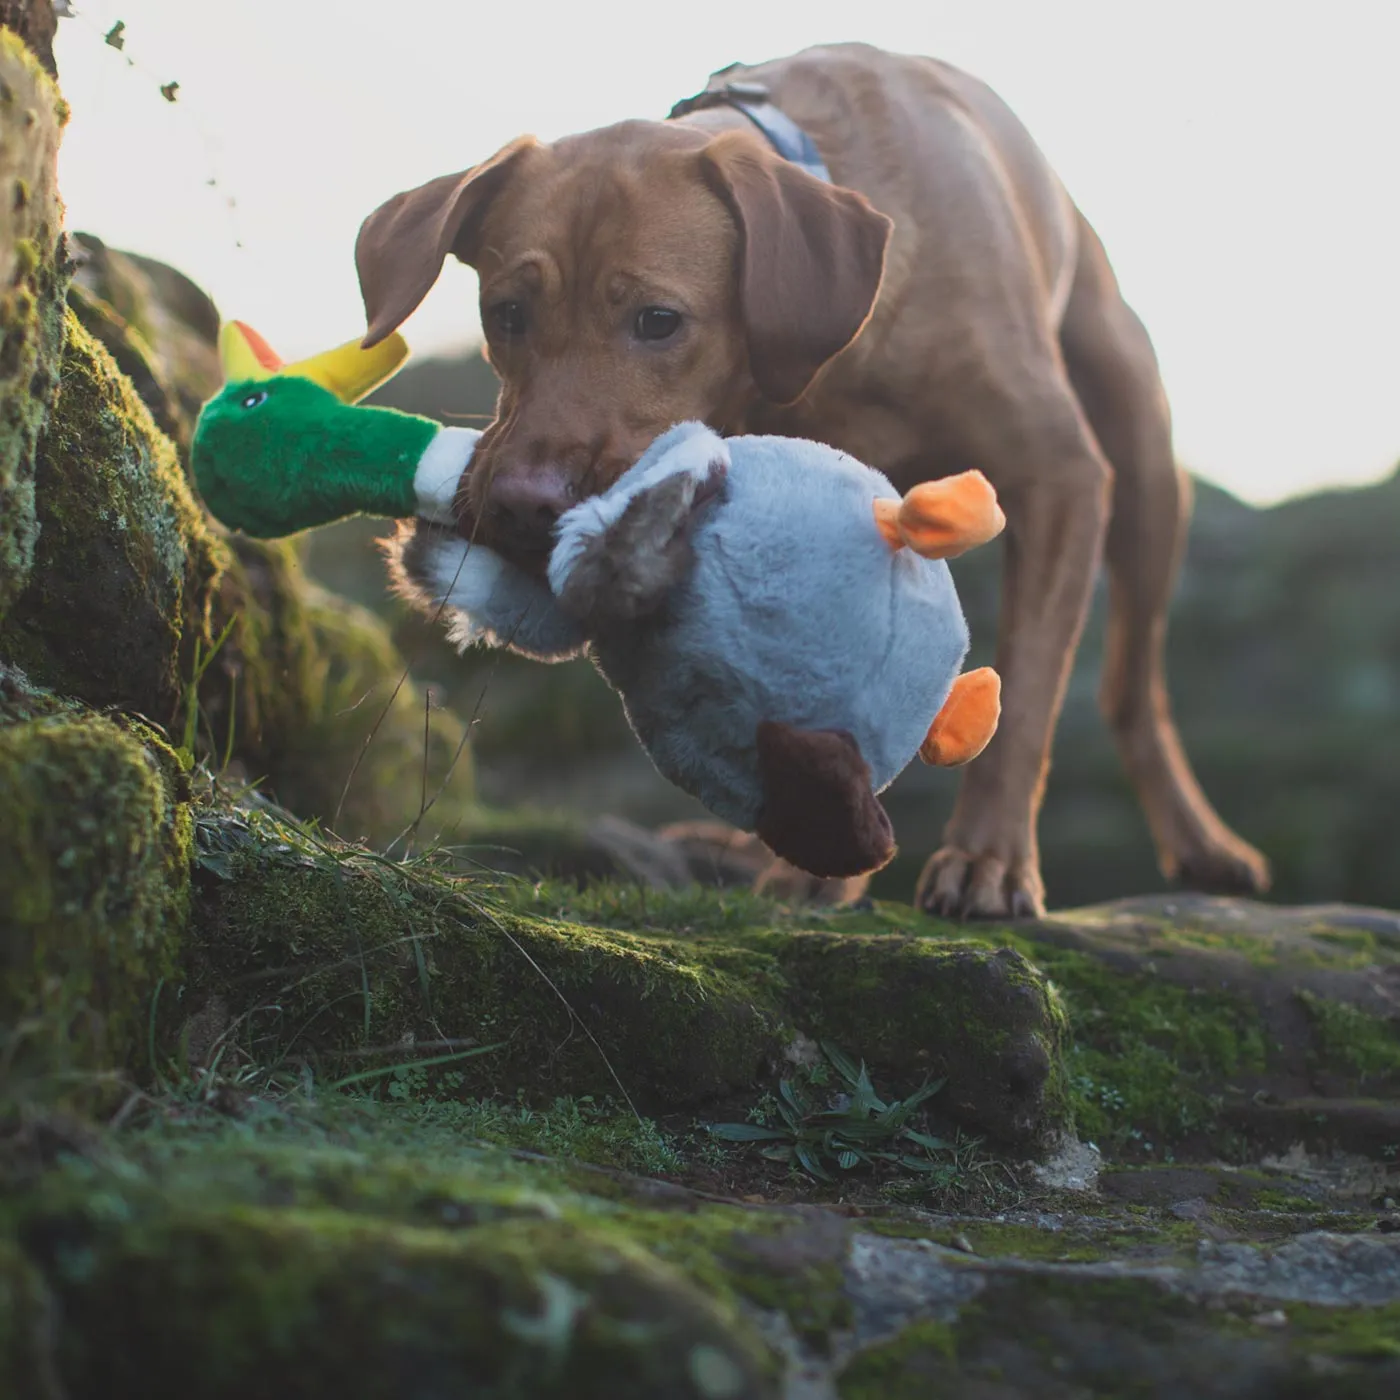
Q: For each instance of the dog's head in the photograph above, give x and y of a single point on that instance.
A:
(631, 278)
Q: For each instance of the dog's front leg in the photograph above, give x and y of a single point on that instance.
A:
(1053, 484)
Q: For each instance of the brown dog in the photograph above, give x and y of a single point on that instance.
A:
(650, 272)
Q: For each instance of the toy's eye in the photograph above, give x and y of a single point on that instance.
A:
(254, 399)
(506, 319)
(656, 323)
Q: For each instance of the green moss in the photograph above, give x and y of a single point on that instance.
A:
(112, 505)
(93, 890)
(133, 355)
(1346, 1331)
(1353, 1041)
(679, 913)
(902, 1369)
(353, 959)
(365, 1259)
(983, 1019)
(32, 283)
(1076, 1243)
(810, 1296)
(334, 1305)
(1282, 1201)
(1149, 1056)
(600, 1131)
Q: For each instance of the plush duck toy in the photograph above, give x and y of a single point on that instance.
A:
(780, 624)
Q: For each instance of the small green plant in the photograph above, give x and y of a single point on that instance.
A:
(841, 1131)
(190, 698)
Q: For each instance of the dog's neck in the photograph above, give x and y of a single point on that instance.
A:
(732, 110)
(716, 119)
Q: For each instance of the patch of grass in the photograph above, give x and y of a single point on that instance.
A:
(599, 1132)
(1284, 1203)
(845, 1127)
(695, 910)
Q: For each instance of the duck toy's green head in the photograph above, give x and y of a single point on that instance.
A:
(285, 447)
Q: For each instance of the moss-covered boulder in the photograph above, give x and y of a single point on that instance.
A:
(32, 281)
(353, 961)
(302, 1249)
(125, 567)
(291, 1271)
(160, 328)
(1228, 1026)
(93, 892)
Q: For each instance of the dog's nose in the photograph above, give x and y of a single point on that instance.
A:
(526, 504)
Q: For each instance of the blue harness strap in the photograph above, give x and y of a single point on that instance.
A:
(783, 134)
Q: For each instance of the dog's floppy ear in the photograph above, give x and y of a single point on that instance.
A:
(402, 246)
(811, 259)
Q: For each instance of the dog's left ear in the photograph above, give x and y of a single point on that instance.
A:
(811, 259)
(402, 245)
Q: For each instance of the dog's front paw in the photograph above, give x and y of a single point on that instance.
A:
(956, 884)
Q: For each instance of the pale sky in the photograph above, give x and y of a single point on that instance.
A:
(1240, 159)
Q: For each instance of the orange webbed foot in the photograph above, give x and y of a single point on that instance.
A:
(942, 519)
(967, 721)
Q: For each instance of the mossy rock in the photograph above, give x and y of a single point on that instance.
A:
(125, 565)
(361, 1249)
(1196, 1027)
(301, 1270)
(365, 961)
(32, 281)
(93, 892)
(161, 329)
(982, 1018)
(1228, 1025)
(356, 961)
(1057, 1335)
(361, 1308)
(135, 359)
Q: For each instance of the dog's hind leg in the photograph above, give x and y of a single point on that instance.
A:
(1113, 370)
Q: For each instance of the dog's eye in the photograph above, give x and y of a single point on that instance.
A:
(657, 323)
(254, 399)
(507, 318)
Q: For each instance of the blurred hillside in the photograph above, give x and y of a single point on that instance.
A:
(1285, 675)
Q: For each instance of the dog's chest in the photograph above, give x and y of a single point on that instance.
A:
(866, 425)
